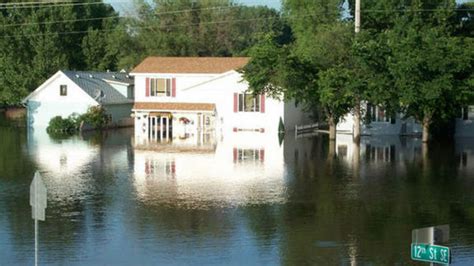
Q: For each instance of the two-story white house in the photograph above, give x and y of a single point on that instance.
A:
(176, 97)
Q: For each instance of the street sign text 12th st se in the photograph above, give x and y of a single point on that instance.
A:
(430, 253)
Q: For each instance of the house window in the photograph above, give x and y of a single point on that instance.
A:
(63, 90)
(160, 87)
(130, 92)
(249, 103)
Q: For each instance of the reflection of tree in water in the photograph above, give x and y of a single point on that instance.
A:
(173, 228)
(330, 215)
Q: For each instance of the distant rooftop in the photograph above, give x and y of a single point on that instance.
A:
(97, 85)
(190, 65)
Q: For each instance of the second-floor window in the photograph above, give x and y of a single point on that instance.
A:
(249, 103)
(160, 87)
(63, 90)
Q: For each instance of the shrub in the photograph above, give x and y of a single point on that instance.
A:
(96, 116)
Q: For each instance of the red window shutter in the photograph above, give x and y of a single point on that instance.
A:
(262, 155)
(173, 87)
(147, 87)
(262, 103)
(235, 154)
(236, 102)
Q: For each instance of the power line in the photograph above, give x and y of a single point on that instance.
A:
(416, 10)
(59, 21)
(49, 4)
(34, 3)
(110, 17)
(151, 27)
(195, 24)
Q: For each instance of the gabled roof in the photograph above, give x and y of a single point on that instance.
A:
(190, 65)
(95, 85)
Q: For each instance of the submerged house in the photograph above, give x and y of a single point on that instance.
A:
(177, 97)
(376, 121)
(464, 126)
(69, 92)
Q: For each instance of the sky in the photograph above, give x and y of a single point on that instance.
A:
(123, 5)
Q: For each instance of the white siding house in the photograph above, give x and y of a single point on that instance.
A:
(464, 125)
(176, 97)
(380, 123)
(69, 92)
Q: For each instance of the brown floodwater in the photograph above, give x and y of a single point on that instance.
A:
(293, 201)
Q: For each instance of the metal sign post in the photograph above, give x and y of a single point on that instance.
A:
(38, 202)
(425, 246)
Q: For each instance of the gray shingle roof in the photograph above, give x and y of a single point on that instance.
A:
(94, 84)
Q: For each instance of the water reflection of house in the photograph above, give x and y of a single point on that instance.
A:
(70, 166)
(182, 96)
(244, 168)
(60, 156)
(379, 149)
(64, 164)
(465, 153)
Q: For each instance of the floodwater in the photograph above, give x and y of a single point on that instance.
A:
(241, 200)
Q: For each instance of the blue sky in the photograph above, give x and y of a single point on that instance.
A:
(122, 5)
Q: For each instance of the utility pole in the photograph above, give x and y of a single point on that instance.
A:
(357, 114)
(357, 16)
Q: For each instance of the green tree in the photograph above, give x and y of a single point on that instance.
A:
(39, 40)
(431, 71)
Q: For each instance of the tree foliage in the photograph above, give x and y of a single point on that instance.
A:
(39, 40)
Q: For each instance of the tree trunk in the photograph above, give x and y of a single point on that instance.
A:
(426, 128)
(332, 149)
(332, 128)
(357, 115)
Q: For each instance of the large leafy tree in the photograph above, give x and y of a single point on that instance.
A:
(431, 72)
(40, 39)
(200, 28)
(315, 68)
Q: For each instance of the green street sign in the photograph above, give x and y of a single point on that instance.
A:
(430, 253)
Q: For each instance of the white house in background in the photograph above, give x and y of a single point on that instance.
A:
(176, 97)
(380, 123)
(68, 92)
(464, 125)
